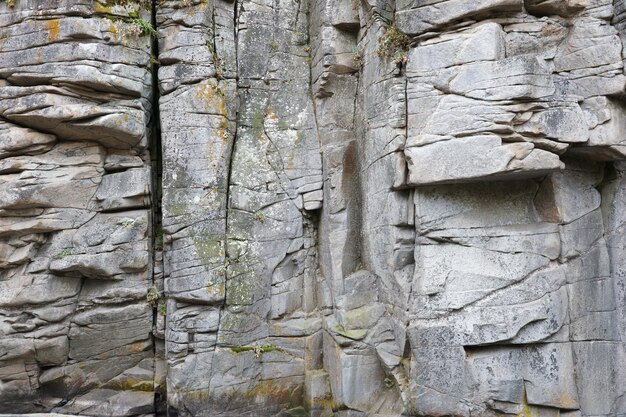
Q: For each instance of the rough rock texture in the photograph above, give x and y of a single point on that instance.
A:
(313, 208)
(75, 219)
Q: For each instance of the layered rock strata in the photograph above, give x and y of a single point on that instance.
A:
(313, 207)
(75, 218)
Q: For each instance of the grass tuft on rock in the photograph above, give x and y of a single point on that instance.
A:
(394, 44)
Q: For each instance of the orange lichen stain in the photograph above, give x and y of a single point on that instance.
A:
(219, 289)
(271, 114)
(53, 26)
(113, 30)
(224, 124)
(191, 11)
(223, 135)
(137, 347)
(267, 389)
(211, 98)
(213, 202)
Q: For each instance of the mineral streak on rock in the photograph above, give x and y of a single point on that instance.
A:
(313, 208)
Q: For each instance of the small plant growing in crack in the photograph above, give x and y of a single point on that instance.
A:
(133, 25)
(162, 309)
(256, 348)
(394, 44)
(10, 3)
(143, 4)
(153, 296)
(141, 27)
(257, 351)
(128, 223)
(65, 252)
(157, 300)
(259, 217)
(220, 69)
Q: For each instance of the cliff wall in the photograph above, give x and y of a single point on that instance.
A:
(313, 208)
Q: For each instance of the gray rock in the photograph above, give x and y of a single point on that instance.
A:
(377, 208)
(74, 103)
(415, 17)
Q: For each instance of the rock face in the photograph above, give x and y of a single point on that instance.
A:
(75, 219)
(313, 208)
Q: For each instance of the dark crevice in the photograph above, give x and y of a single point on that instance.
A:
(231, 153)
(234, 142)
(156, 159)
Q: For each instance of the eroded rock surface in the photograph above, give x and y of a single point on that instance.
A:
(75, 222)
(313, 208)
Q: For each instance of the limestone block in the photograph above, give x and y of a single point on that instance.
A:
(16, 140)
(415, 17)
(604, 117)
(590, 59)
(119, 125)
(478, 157)
(346, 367)
(520, 77)
(595, 362)
(485, 42)
(128, 189)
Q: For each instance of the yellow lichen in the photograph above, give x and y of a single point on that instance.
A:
(211, 98)
(100, 8)
(219, 290)
(137, 347)
(53, 26)
(197, 395)
(131, 384)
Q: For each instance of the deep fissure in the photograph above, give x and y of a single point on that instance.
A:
(157, 236)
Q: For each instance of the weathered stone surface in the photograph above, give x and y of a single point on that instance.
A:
(416, 17)
(315, 208)
(74, 102)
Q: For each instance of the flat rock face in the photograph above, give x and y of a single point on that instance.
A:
(313, 208)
